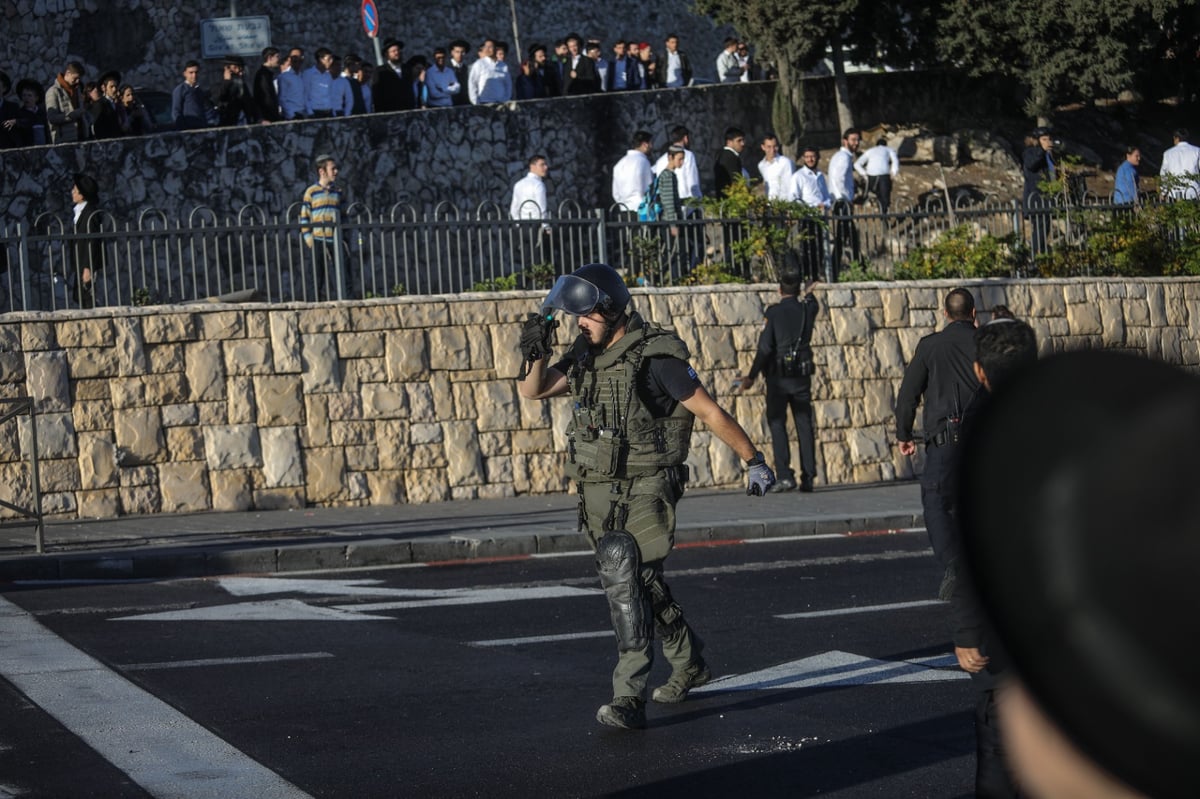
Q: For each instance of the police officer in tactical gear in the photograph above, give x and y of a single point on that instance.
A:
(635, 400)
(942, 370)
(785, 356)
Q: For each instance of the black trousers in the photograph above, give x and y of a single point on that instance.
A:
(812, 250)
(845, 237)
(794, 393)
(881, 187)
(325, 272)
(992, 777)
(938, 499)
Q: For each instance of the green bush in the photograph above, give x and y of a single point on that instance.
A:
(964, 252)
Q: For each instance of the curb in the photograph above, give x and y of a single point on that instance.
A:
(233, 558)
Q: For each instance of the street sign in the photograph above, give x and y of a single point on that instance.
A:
(370, 18)
(224, 36)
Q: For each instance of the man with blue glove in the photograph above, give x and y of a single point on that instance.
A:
(636, 399)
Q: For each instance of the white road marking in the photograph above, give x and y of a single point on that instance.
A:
(478, 596)
(817, 614)
(187, 664)
(267, 610)
(542, 639)
(837, 668)
(162, 750)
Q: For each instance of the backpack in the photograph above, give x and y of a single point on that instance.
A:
(650, 208)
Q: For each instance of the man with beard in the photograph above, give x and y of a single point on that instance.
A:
(635, 401)
(392, 90)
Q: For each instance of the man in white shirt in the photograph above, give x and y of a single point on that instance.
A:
(841, 189)
(879, 166)
(689, 173)
(776, 169)
(632, 175)
(529, 202)
(485, 84)
(529, 193)
(1179, 177)
(728, 69)
(809, 187)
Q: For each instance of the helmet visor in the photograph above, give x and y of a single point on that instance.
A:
(574, 295)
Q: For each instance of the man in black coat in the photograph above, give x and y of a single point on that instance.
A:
(785, 357)
(728, 167)
(942, 371)
(393, 91)
(87, 255)
(1038, 165)
(266, 97)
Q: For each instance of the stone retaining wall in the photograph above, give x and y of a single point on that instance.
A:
(174, 409)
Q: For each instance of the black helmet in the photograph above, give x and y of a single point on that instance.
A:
(594, 287)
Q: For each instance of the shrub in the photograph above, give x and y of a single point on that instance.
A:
(963, 251)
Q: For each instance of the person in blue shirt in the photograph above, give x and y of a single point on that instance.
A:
(291, 86)
(190, 107)
(318, 87)
(1125, 192)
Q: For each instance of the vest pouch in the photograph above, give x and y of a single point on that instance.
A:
(608, 452)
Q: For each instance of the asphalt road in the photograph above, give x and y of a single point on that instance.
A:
(483, 680)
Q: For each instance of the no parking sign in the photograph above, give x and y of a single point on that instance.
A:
(370, 18)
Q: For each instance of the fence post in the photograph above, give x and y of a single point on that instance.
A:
(1019, 225)
(23, 270)
(601, 235)
(338, 261)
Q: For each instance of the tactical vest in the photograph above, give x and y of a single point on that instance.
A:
(612, 434)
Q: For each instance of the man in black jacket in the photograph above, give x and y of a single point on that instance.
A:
(785, 356)
(87, 254)
(942, 372)
(266, 97)
(728, 167)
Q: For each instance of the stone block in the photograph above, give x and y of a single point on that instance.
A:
(47, 381)
(212, 413)
(499, 398)
(325, 473)
(1045, 300)
(282, 463)
(97, 461)
(55, 476)
(248, 356)
(324, 319)
(361, 345)
(55, 435)
(183, 487)
(1112, 322)
(421, 407)
(179, 414)
(407, 355)
(162, 358)
(322, 372)
(426, 456)
(37, 336)
(100, 504)
(742, 308)
(316, 421)
(205, 372)
(91, 332)
(479, 349)
(168, 327)
(185, 443)
(850, 325)
(375, 316)
(426, 485)
(285, 342)
(464, 462)
(141, 499)
(232, 447)
(491, 444)
(232, 490)
(526, 441)
(129, 346)
(278, 499)
(364, 458)
(214, 326)
(165, 389)
(895, 308)
(10, 443)
(716, 348)
(506, 353)
(384, 401)
(258, 324)
(138, 435)
(128, 392)
(448, 348)
(868, 445)
(279, 400)
(424, 312)
(386, 487)
(464, 399)
(1084, 319)
(352, 434)
(240, 408)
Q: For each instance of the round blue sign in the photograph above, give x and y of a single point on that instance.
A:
(370, 18)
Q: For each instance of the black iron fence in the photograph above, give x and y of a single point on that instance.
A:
(252, 254)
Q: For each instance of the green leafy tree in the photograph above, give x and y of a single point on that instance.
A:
(1060, 50)
(793, 37)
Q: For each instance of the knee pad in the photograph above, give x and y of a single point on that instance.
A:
(618, 562)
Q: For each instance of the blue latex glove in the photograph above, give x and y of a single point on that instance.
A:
(759, 477)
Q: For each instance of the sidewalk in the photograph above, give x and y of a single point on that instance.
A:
(202, 544)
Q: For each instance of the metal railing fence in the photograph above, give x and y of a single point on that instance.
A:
(252, 254)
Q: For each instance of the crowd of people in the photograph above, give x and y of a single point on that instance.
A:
(284, 87)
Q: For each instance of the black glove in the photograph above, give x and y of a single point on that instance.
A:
(759, 476)
(536, 340)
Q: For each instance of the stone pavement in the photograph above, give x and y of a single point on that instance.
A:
(202, 544)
